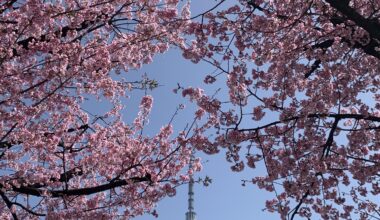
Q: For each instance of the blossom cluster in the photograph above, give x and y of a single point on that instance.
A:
(303, 85)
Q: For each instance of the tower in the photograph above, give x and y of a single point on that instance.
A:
(190, 214)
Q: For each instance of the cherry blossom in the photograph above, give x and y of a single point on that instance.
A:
(57, 159)
(303, 85)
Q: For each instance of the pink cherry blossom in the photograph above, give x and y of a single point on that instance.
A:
(58, 159)
(308, 74)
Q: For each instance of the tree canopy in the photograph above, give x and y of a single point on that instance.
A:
(303, 85)
(303, 82)
(57, 160)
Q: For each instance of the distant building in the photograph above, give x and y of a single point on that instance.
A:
(190, 214)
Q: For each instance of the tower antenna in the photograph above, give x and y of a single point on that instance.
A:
(190, 214)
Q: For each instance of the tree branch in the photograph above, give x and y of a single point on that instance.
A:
(9, 204)
(295, 210)
(371, 26)
(336, 116)
(81, 191)
(330, 139)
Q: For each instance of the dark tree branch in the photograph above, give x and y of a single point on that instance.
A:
(81, 191)
(9, 204)
(295, 210)
(314, 67)
(255, 6)
(82, 127)
(336, 116)
(330, 139)
(370, 25)
(324, 46)
(368, 48)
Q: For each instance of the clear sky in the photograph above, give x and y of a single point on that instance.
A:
(225, 198)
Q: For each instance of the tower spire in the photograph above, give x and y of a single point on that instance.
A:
(190, 214)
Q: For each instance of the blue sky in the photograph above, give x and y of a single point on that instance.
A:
(225, 198)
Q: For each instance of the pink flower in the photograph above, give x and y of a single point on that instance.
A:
(146, 103)
(209, 79)
(258, 113)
